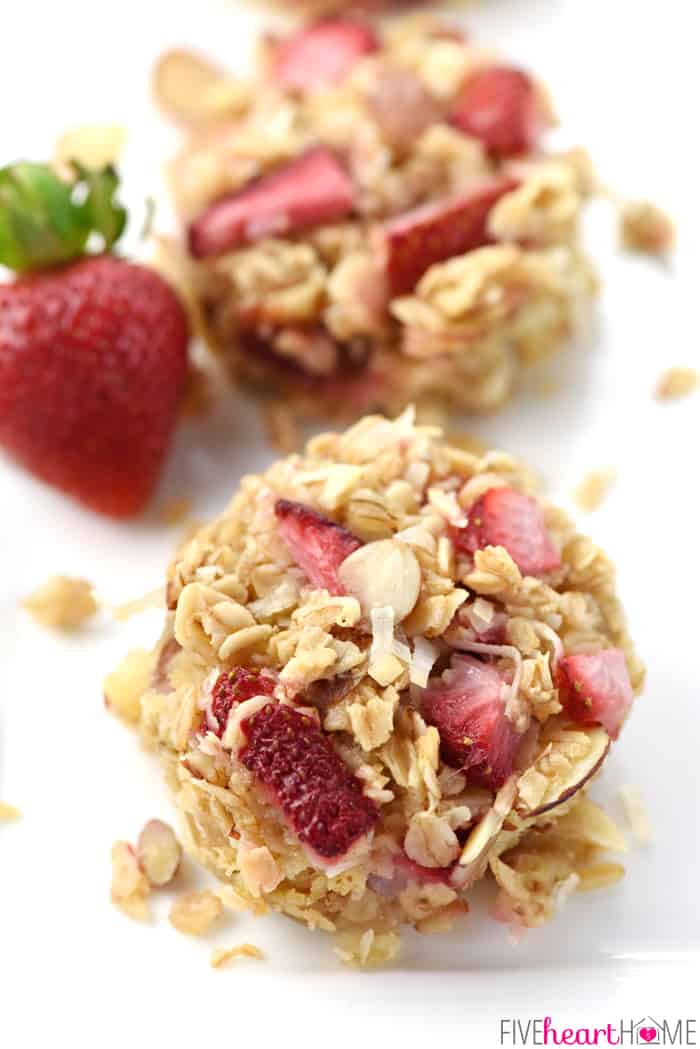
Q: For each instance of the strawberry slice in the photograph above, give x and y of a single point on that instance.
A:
(500, 107)
(321, 54)
(595, 688)
(467, 707)
(311, 189)
(417, 240)
(232, 687)
(320, 798)
(504, 517)
(318, 545)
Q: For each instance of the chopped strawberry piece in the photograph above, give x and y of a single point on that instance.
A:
(500, 107)
(232, 687)
(504, 517)
(318, 545)
(321, 54)
(311, 189)
(417, 240)
(416, 872)
(595, 688)
(467, 707)
(320, 798)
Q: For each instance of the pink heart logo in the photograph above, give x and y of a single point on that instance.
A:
(648, 1033)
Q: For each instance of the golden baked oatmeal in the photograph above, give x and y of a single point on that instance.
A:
(374, 219)
(388, 669)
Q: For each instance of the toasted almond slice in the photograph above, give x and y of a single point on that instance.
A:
(385, 573)
(193, 90)
(158, 852)
(564, 765)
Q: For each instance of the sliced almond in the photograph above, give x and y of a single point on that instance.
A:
(566, 762)
(158, 852)
(193, 90)
(383, 573)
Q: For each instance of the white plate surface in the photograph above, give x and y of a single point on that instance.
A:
(72, 966)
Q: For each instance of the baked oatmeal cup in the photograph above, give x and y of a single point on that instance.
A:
(373, 219)
(388, 671)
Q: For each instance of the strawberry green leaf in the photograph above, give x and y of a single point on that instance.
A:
(46, 221)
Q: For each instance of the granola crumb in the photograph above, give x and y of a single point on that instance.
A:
(62, 603)
(8, 813)
(593, 489)
(174, 511)
(194, 913)
(676, 382)
(636, 813)
(124, 687)
(130, 888)
(360, 949)
(281, 428)
(645, 228)
(220, 956)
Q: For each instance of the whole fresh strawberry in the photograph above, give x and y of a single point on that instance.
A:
(93, 349)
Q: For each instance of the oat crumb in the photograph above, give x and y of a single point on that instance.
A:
(194, 913)
(130, 887)
(8, 813)
(220, 956)
(676, 382)
(62, 602)
(124, 687)
(594, 488)
(644, 227)
(174, 511)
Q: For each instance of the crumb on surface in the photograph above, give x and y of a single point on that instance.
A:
(636, 813)
(593, 489)
(366, 948)
(194, 913)
(220, 956)
(8, 813)
(644, 227)
(174, 511)
(62, 602)
(124, 687)
(676, 382)
(153, 599)
(130, 887)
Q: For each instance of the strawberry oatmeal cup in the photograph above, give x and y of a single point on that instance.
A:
(373, 219)
(387, 672)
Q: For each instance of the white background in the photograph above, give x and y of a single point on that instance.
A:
(75, 971)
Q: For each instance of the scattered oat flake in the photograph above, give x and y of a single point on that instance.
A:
(220, 956)
(594, 488)
(124, 687)
(130, 887)
(153, 599)
(62, 603)
(174, 511)
(194, 913)
(8, 813)
(636, 813)
(676, 382)
(646, 228)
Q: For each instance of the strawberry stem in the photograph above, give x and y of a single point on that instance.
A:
(46, 221)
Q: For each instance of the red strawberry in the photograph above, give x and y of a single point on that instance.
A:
(467, 707)
(504, 517)
(232, 687)
(321, 54)
(318, 545)
(93, 353)
(320, 798)
(500, 107)
(417, 240)
(311, 189)
(93, 358)
(595, 688)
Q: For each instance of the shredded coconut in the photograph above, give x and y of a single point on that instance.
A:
(424, 656)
